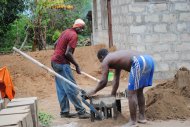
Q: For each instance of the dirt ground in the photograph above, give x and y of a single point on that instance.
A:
(168, 104)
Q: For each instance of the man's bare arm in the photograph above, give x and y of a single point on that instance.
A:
(104, 80)
(69, 56)
(116, 82)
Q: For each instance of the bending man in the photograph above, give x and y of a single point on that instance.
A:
(141, 68)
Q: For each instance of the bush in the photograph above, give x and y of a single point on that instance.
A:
(56, 35)
(45, 119)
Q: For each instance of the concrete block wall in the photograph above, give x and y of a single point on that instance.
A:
(159, 29)
(99, 35)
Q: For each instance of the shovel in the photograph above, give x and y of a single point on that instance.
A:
(95, 79)
(90, 76)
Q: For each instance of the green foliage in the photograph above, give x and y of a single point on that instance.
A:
(15, 36)
(9, 10)
(63, 19)
(81, 39)
(56, 35)
(45, 119)
(8, 13)
(12, 31)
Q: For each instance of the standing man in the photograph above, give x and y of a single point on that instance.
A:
(141, 68)
(60, 61)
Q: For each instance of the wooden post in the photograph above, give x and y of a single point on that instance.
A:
(110, 35)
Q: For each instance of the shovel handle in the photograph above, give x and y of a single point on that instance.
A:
(90, 76)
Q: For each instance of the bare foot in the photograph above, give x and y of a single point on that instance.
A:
(130, 124)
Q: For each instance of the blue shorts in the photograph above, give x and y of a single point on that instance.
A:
(141, 74)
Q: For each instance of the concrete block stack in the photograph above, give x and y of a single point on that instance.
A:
(105, 105)
(20, 112)
(17, 116)
(1, 104)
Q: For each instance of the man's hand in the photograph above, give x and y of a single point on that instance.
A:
(90, 93)
(78, 70)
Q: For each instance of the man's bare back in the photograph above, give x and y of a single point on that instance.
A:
(120, 60)
(135, 63)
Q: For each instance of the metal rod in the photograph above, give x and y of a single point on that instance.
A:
(92, 109)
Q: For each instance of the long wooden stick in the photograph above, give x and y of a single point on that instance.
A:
(90, 76)
(58, 75)
(46, 68)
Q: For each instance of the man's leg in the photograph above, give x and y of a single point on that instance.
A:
(62, 97)
(141, 105)
(132, 97)
(61, 94)
(72, 92)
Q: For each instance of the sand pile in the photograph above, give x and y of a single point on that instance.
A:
(170, 100)
(31, 80)
(88, 61)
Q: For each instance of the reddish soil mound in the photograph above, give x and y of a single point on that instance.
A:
(170, 100)
(87, 59)
(31, 80)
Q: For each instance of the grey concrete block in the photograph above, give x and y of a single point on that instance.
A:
(164, 74)
(2, 104)
(25, 99)
(169, 18)
(183, 47)
(19, 110)
(161, 48)
(157, 8)
(19, 120)
(168, 37)
(138, 19)
(152, 18)
(153, 38)
(171, 56)
(185, 56)
(136, 8)
(185, 37)
(182, 7)
(137, 29)
(157, 57)
(33, 108)
(15, 110)
(105, 105)
(160, 28)
(163, 67)
(184, 16)
(28, 98)
(181, 27)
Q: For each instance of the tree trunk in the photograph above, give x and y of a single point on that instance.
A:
(35, 43)
(25, 39)
(38, 36)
